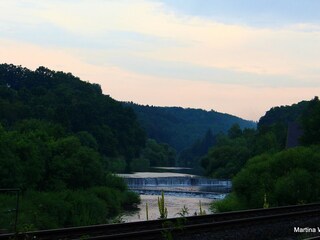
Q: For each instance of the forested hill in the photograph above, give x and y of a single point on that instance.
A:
(180, 127)
(60, 139)
(277, 121)
(265, 171)
(283, 114)
(231, 151)
(77, 106)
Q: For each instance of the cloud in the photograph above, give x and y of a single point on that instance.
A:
(197, 41)
(244, 101)
(262, 13)
(172, 38)
(147, 52)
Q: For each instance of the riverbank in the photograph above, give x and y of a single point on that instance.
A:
(173, 204)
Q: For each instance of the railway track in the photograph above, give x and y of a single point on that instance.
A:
(154, 229)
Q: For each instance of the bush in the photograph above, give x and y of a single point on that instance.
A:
(47, 210)
(285, 178)
(230, 203)
(130, 200)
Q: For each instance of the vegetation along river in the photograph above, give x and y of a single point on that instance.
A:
(180, 190)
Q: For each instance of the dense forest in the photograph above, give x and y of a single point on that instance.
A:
(182, 127)
(264, 171)
(60, 140)
(191, 156)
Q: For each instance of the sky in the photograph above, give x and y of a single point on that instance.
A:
(240, 57)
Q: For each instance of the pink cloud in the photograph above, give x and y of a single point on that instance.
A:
(243, 101)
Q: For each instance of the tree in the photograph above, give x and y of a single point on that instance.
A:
(285, 178)
(311, 123)
(158, 154)
(235, 131)
(75, 105)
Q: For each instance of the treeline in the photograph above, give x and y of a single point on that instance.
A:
(154, 155)
(76, 105)
(65, 208)
(79, 108)
(230, 152)
(182, 127)
(39, 155)
(191, 156)
(264, 172)
(60, 138)
(63, 179)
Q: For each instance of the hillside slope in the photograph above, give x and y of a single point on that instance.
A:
(181, 127)
(78, 106)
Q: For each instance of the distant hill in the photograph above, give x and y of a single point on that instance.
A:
(296, 117)
(277, 120)
(182, 127)
(283, 114)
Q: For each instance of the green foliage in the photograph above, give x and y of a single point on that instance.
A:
(311, 122)
(181, 128)
(117, 164)
(231, 152)
(161, 206)
(265, 201)
(45, 210)
(184, 211)
(147, 211)
(288, 177)
(229, 155)
(118, 219)
(87, 140)
(167, 232)
(231, 203)
(130, 200)
(77, 107)
(201, 211)
(267, 142)
(59, 138)
(140, 164)
(273, 176)
(154, 154)
(291, 188)
(234, 131)
(226, 161)
(282, 115)
(190, 157)
(113, 181)
(276, 120)
(38, 158)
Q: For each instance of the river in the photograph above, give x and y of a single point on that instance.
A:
(172, 203)
(179, 190)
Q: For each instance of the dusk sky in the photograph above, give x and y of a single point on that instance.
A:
(240, 57)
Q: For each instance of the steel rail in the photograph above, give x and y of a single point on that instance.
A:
(124, 228)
